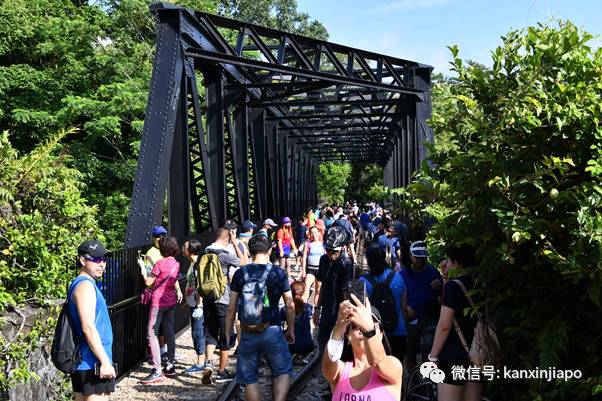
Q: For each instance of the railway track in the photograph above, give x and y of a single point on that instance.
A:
(300, 379)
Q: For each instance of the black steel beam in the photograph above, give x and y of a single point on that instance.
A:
(324, 102)
(222, 58)
(332, 116)
(215, 141)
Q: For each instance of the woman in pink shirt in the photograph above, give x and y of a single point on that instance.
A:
(373, 375)
(163, 280)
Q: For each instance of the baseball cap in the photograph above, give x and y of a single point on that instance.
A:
(247, 225)
(93, 248)
(377, 221)
(159, 231)
(269, 222)
(418, 249)
(286, 220)
(230, 224)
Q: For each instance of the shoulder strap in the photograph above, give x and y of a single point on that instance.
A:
(166, 277)
(461, 336)
(461, 284)
(264, 276)
(390, 278)
(456, 325)
(370, 279)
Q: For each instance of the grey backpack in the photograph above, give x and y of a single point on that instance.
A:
(253, 298)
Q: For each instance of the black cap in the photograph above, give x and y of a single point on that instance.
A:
(230, 224)
(93, 248)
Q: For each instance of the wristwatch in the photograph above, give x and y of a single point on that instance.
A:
(370, 333)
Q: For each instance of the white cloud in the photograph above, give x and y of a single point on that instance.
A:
(409, 5)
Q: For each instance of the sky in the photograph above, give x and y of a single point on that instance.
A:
(421, 30)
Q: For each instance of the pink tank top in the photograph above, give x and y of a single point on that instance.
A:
(375, 390)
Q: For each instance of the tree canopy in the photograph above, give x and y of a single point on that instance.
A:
(518, 174)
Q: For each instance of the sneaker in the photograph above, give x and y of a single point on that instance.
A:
(225, 376)
(153, 377)
(194, 369)
(170, 371)
(298, 360)
(207, 372)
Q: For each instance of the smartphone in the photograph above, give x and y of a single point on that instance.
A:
(357, 288)
(97, 369)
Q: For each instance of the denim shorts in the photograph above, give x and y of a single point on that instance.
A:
(272, 344)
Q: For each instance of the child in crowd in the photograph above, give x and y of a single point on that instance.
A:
(304, 343)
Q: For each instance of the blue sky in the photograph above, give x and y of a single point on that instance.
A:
(420, 30)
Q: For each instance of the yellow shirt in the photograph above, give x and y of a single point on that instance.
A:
(153, 255)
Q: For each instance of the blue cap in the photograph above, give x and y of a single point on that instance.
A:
(377, 221)
(248, 225)
(159, 231)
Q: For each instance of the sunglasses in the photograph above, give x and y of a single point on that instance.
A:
(95, 260)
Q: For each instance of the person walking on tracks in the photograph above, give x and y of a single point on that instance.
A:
(424, 284)
(215, 307)
(334, 272)
(373, 371)
(449, 350)
(286, 245)
(92, 326)
(255, 293)
(165, 296)
(192, 249)
(387, 293)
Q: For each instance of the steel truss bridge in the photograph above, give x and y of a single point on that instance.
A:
(240, 116)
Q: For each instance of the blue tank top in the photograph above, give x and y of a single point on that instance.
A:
(102, 323)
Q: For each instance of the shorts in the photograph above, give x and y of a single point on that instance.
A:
(272, 345)
(87, 383)
(215, 326)
(460, 365)
(313, 270)
(286, 250)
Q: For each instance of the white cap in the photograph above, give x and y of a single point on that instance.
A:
(269, 222)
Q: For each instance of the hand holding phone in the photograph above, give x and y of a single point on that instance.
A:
(357, 288)
(107, 373)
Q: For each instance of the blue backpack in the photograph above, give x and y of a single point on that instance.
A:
(253, 298)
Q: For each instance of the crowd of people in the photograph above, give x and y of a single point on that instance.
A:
(264, 289)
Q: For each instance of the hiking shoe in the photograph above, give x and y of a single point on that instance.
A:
(153, 377)
(207, 373)
(225, 376)
(194, 369)
(170, 371)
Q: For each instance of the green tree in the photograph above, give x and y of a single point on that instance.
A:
(332, 181)
(519, 175)
(365, 178)
(278, 14)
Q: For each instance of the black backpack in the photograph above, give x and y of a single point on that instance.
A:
(65, 352)
(382, 299)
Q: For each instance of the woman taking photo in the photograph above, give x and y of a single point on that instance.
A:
(286, 243)
(447, 350)
(373, 373)
(166, 294)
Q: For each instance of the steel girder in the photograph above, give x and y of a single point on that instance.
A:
(239, 117)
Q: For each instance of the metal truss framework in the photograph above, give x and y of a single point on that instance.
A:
(239, 117)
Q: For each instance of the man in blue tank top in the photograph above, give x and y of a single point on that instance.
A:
(94, 377)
